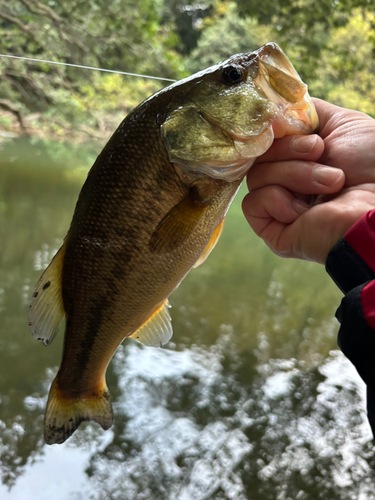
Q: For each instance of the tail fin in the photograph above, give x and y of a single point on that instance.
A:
(63, 415)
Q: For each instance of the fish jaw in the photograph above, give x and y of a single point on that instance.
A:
(281, 83)
(223, 129)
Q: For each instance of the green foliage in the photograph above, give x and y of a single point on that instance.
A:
(225, 33)
(186, 18)
(330, 44)
(304, 25)
(346, 68)
(116, 34)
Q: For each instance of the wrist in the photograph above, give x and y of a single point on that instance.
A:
(351, 261)
(350, 222)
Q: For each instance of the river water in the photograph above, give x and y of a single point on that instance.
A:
(250, 400)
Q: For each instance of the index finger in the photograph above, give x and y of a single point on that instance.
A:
(331, 117)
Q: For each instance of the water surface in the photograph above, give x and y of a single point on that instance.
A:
(250, 399)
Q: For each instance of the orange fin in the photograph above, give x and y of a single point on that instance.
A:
(47, 309)
(157, 329)
(179, 223)
(211, 244)
(63, 415)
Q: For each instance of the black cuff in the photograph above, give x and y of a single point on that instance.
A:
(356, 339)
(346, 267)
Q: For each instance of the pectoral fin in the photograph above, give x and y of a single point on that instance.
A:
(211, 244)
(157, 329)
(46, 309)
(179, 223)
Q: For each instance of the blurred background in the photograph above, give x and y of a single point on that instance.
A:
(250, 399)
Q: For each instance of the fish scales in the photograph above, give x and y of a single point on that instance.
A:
(111, 230)
(153, 207)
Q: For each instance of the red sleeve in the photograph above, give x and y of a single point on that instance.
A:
(361, 237)
(351, 262)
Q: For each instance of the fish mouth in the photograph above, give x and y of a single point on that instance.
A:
(280, 83)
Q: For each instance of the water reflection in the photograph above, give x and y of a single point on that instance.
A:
(186, 428)
(249, 400)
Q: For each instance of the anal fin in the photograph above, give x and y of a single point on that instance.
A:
(157, 329)
(211, 244)
(47, 309)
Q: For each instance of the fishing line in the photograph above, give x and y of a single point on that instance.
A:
(88, 67)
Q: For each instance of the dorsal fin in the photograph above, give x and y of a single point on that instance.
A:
(211, 244)
(46, 309)
(179, 223)
(157, 329)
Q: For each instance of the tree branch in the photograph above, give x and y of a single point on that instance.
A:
(8, 106)
(41, 10)
(21, 26)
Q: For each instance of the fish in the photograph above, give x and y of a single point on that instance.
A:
(152, 208)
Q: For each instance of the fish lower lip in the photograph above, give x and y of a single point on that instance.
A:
(295, 121)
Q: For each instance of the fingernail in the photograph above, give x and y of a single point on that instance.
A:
(300, 206)
(327, 175)
(304, 144)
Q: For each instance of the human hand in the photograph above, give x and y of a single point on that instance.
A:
(337, 167)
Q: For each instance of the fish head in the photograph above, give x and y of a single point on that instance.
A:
(232, 112)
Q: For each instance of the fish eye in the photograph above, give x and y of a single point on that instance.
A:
(233, 74)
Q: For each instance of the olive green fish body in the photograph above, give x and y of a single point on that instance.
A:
(153, 207)
(111, 277)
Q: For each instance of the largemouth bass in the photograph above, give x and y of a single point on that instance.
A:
(152, 208)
